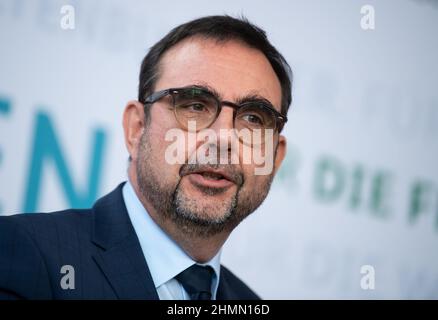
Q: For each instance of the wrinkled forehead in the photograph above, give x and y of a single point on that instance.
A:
(231, 68)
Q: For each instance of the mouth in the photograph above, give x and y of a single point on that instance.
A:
(211, 179)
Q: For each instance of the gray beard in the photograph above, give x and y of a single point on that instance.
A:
(172, 204)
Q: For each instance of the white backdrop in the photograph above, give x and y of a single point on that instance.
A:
(360, 183)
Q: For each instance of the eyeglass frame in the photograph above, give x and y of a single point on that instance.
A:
(280, 119)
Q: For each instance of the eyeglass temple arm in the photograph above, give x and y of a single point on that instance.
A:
(154, 97)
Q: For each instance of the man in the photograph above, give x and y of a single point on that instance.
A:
(159, 235)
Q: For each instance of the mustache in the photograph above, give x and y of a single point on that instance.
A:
(231, 171)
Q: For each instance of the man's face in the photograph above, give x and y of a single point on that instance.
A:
(188, 194)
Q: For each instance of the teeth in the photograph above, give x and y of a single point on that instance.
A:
(211, 175)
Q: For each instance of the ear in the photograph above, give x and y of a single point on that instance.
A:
(133, 126)
(280, 153)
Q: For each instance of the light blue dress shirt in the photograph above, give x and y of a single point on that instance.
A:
(164, 257)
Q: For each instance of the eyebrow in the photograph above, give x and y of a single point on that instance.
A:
(206, 87)
(254, 97)
(250, 97)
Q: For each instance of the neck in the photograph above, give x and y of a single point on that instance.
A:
(199, 248)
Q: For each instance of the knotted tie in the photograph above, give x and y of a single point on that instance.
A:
(196, 280)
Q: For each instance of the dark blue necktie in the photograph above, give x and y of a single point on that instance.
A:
(196, 280)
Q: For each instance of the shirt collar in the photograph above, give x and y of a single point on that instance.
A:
(165, 258)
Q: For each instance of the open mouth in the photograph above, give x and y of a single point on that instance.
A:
(210, 179)
(212, 175)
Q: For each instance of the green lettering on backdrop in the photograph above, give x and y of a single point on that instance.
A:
(5, 109)
(380, 190)
(5, 105)
(329, 179)
(46, 148)
(419, 204)
(357, 180)
(335, 181)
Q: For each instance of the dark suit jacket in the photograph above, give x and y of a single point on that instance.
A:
(101, 245)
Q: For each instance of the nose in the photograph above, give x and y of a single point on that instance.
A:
(224, 122)
(224, 119)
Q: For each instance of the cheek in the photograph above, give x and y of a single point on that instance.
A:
(258, 161)
(255, 181)
(249, 177)
(163, 166)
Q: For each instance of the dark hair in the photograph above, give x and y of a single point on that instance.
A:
(221, 29)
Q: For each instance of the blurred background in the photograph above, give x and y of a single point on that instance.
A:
(358, 193)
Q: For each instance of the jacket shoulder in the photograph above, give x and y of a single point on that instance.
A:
(233, 288)
(26, 242)
(46, 224)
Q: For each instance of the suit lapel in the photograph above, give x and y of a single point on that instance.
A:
(120, 256)
(224, 291)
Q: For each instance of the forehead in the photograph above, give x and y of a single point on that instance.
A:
(231, 68)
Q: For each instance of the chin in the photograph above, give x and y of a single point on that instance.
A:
(215, 214)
